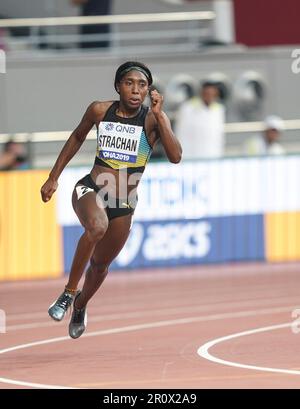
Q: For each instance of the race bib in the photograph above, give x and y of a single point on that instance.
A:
(119, 141)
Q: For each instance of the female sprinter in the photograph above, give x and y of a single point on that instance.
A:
(105, 199)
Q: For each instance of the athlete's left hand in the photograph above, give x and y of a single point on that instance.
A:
(156, 101)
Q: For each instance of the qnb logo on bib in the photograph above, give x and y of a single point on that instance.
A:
(118, 141)
(129, 129)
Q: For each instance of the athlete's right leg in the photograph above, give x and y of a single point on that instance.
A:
(95, 222)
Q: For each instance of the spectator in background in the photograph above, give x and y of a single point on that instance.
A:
(13, 156)
(268, 142)
(2, 39)
(94, 8)
(200, 124)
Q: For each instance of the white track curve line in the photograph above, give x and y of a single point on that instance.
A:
(91, 334)
(203, 350)
(34, 385)
(129, 328)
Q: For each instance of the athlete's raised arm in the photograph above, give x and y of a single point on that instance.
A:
(168, 139)
(70, 148)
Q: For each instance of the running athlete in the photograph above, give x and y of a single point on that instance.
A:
(105, 199)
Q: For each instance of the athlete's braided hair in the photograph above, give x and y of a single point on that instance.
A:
(129, 66)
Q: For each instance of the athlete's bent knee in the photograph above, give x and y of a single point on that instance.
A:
(95, 229)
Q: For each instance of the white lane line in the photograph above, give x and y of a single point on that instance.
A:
(34, 385)
(136, 314)
(203, 351)
(131, 315)
(255, 302)
(130, 328)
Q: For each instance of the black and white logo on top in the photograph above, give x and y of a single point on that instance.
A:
(82, 190)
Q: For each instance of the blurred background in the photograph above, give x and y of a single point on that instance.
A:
(230, 74)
